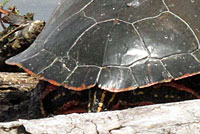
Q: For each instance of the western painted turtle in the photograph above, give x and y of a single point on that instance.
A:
(115, 45)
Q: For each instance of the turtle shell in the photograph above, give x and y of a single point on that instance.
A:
(118, 45)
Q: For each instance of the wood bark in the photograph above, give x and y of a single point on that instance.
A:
(171, 118)
(20, 81)
(14, 89)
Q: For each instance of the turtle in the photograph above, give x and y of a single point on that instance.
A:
(101, 49)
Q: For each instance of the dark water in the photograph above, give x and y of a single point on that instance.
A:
(41, 8)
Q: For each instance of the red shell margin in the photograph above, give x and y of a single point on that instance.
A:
(84, 87)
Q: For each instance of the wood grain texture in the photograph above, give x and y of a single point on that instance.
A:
(20, 81)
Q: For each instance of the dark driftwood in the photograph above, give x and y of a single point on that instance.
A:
(172, 118)
(20, 81)
(14, 89)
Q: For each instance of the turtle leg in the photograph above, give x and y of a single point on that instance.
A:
(100, 100)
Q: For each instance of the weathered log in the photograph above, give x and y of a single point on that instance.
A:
(14, 89)
(171, 118)
(20, 81)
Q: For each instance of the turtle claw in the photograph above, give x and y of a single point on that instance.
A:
(100, 100)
